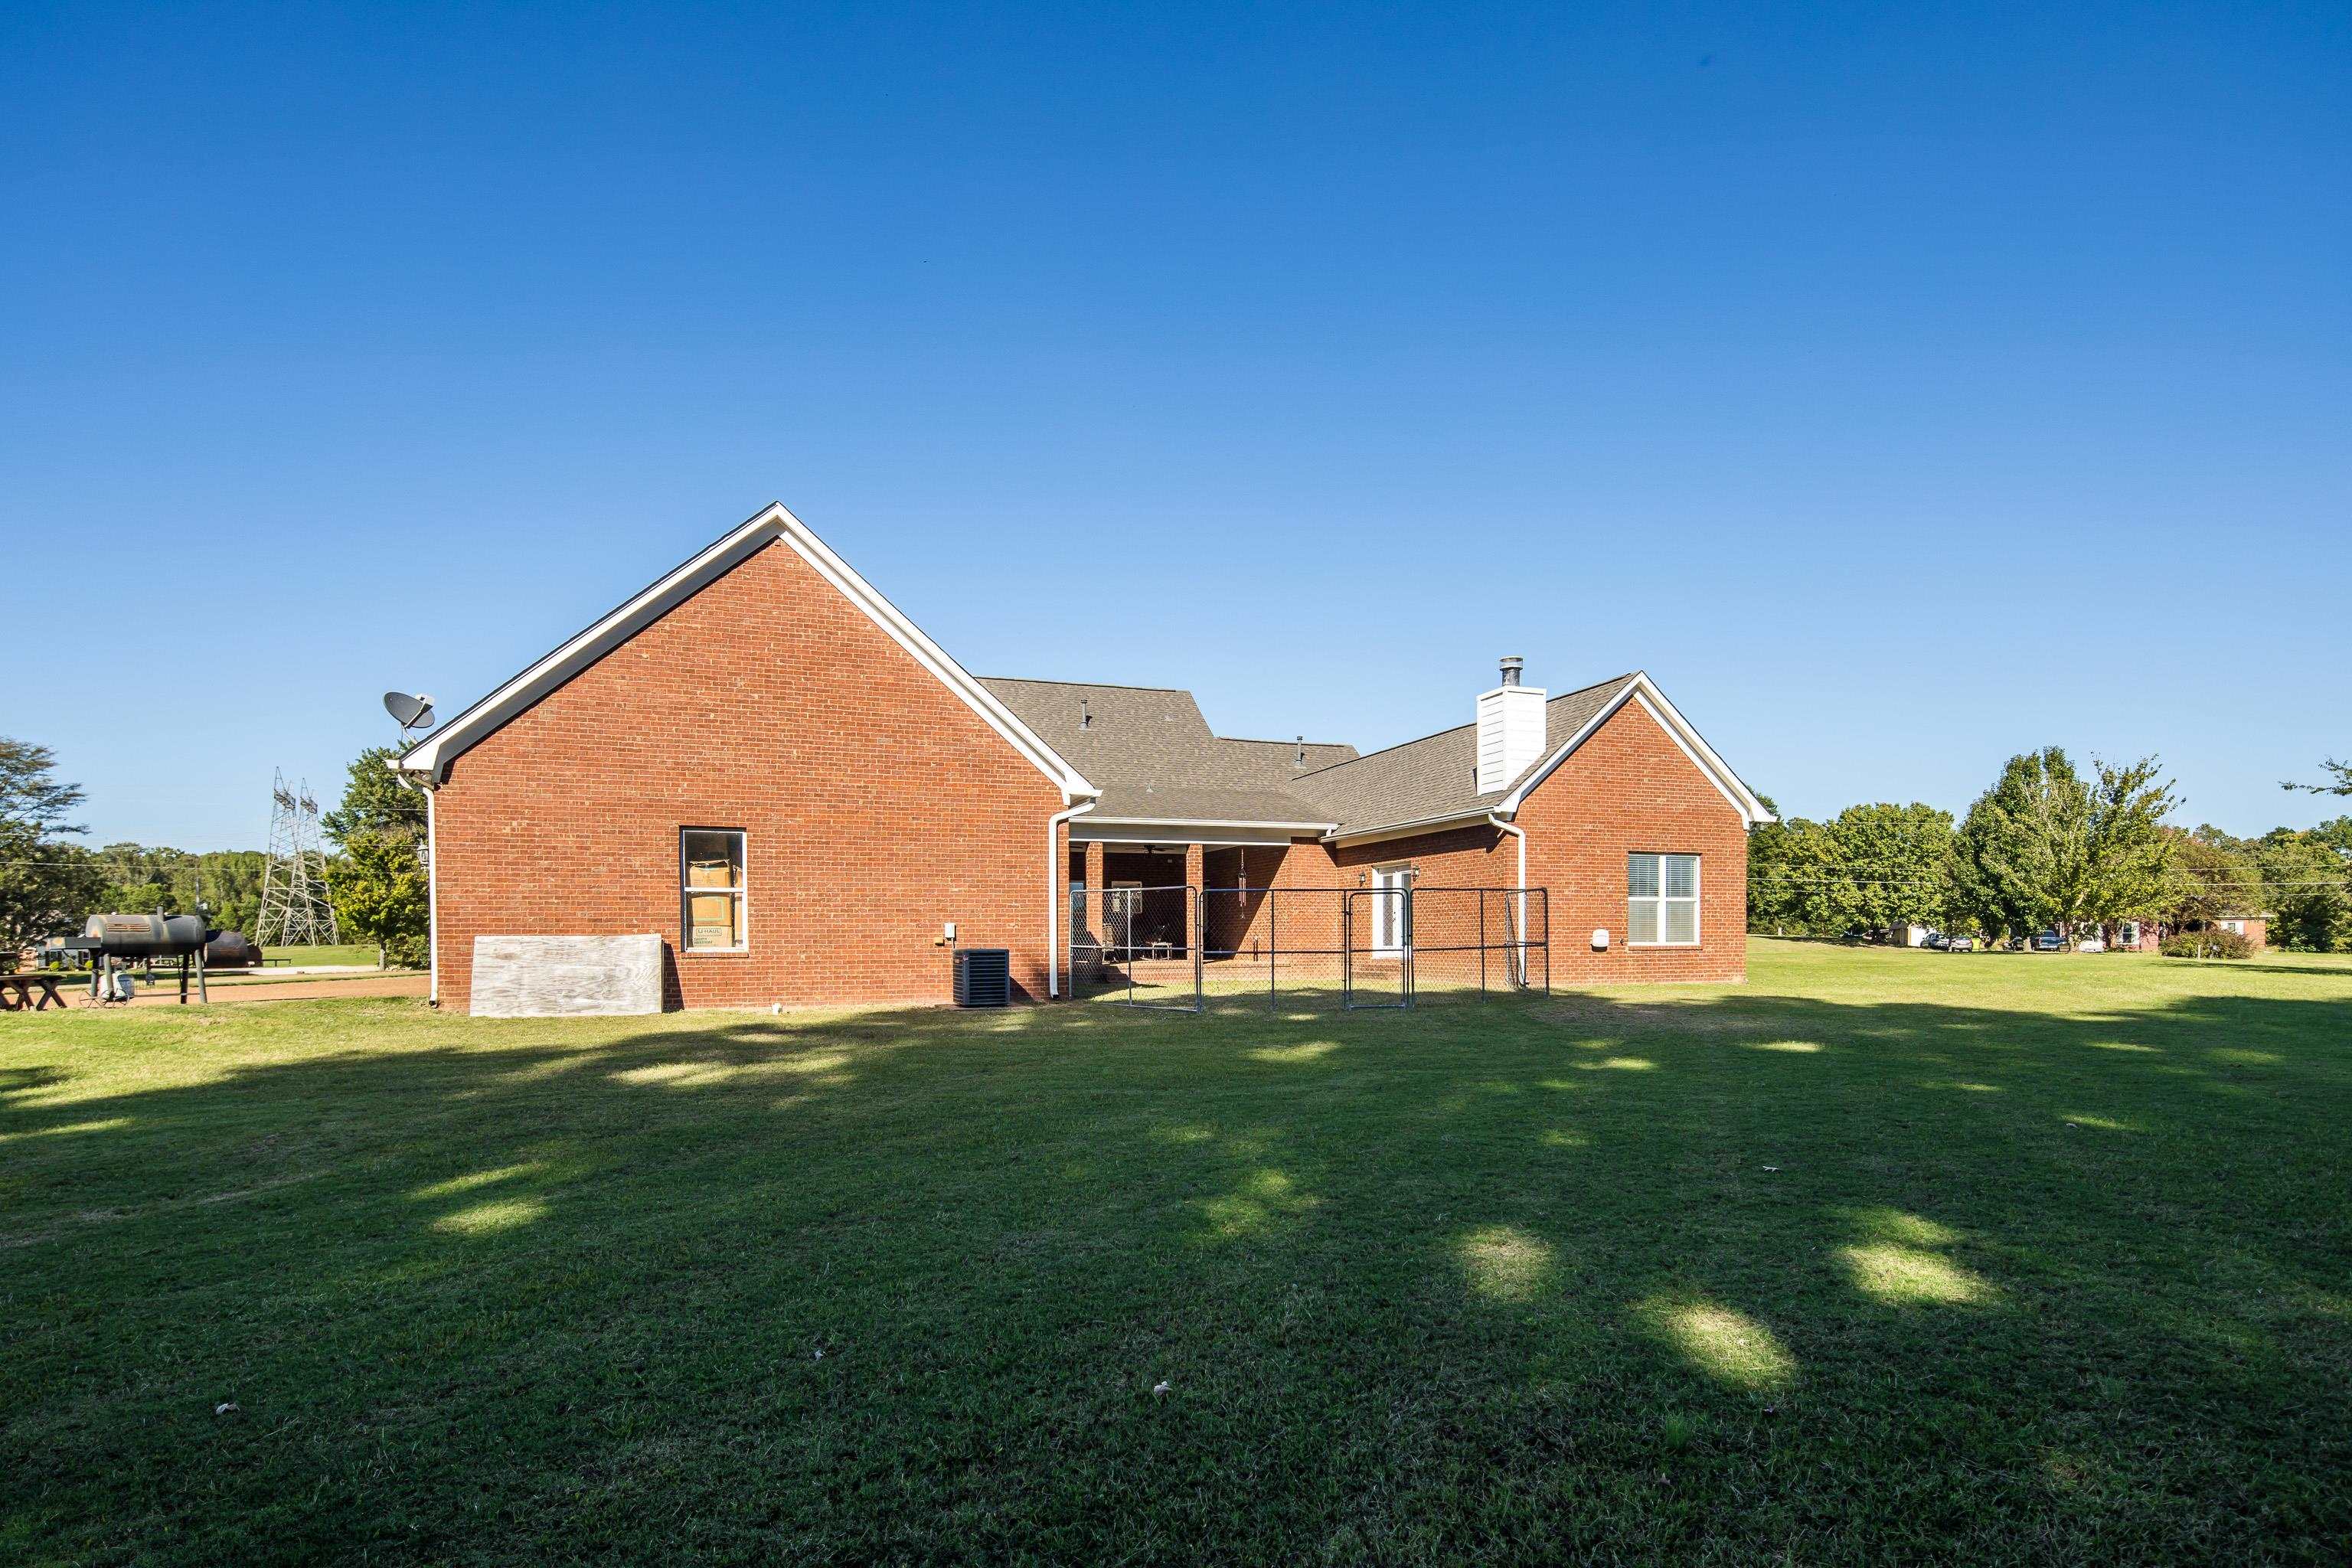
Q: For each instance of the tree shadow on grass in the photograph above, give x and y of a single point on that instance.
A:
(1736, 1275)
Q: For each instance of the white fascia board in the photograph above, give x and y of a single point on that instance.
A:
(1216, 821)
(1641, 688)
(1092, 830)
(433, 756)
(1468, 817)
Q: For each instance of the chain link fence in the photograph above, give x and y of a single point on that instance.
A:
(1374, 946)
(1139, 946)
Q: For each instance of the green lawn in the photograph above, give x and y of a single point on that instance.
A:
(1883, 1256)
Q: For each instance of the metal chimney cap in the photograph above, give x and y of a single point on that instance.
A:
(1512, 665)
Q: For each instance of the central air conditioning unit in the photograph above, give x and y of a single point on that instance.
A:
(983, 977)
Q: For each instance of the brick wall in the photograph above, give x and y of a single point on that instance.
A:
(1628, 788)
(876, 805)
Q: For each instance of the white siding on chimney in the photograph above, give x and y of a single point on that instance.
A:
(1511, 734)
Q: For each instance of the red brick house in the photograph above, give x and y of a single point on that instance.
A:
(763, 762)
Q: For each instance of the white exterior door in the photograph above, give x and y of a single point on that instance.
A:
(1392, 910)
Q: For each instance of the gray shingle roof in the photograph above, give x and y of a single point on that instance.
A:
(1153, 756)
(1437, 775)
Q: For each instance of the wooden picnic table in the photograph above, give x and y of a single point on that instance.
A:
(25, 987)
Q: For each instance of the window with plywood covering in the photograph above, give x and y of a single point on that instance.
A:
(710, 887)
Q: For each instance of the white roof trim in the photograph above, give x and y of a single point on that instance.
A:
(433, 756)
(1117, 833)
(1642, 689)
(1209, 821)
(1414, 828)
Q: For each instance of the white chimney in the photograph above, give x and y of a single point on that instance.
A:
(1511, 729)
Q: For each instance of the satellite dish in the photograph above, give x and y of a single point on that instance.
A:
(409, 712)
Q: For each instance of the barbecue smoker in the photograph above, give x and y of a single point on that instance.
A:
(115, 941)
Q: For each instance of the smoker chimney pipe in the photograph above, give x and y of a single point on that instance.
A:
(1512, 665)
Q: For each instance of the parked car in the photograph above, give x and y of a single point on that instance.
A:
(1960, 944)
(1936, 939)
(2091, 944)
(2049, 941)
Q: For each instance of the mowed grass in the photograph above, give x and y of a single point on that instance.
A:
(1882, 1257)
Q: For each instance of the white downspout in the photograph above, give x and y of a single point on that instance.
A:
(433, 895)
(1053, 874)
(1520, 952)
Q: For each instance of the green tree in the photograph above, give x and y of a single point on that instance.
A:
(2044, 848)
(1892, 864)
(2307, 889)
(379, 882)
(2214, 876)
(139, 879)
(376, 799)
(2018, 848)
(2128, 853)
(2340, 782)
(46, 885)
(379, 886)
(1790, 868)
(229, 881)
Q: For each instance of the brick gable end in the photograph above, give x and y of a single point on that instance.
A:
(875, 804)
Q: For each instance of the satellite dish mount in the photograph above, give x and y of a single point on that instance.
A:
(411, 714)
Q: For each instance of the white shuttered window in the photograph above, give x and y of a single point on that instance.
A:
(1662, 901)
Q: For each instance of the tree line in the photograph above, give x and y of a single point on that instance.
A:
(2049, 847)
(2046, 847)
(50, 884)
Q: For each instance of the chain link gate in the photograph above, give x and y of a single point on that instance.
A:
(1139, 947)
(1377, 953)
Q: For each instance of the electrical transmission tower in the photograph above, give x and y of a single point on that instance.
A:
(294, 908)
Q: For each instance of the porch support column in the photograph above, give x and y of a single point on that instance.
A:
(1196, 878)
(1092, 937)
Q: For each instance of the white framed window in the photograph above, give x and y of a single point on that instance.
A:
(1662, 901)
(1392, 895)
(710, 889)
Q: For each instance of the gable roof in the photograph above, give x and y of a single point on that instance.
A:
(1142, 753)
(1154, 757)
(1434, 780)
(433, 755)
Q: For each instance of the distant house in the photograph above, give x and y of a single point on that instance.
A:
(760, 760)
(2255, 929)
(2145, 936)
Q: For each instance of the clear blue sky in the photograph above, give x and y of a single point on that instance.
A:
(1903, 387)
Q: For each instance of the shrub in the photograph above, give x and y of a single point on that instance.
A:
(2215, 944)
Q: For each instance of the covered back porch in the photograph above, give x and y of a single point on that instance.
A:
(1139, 887)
